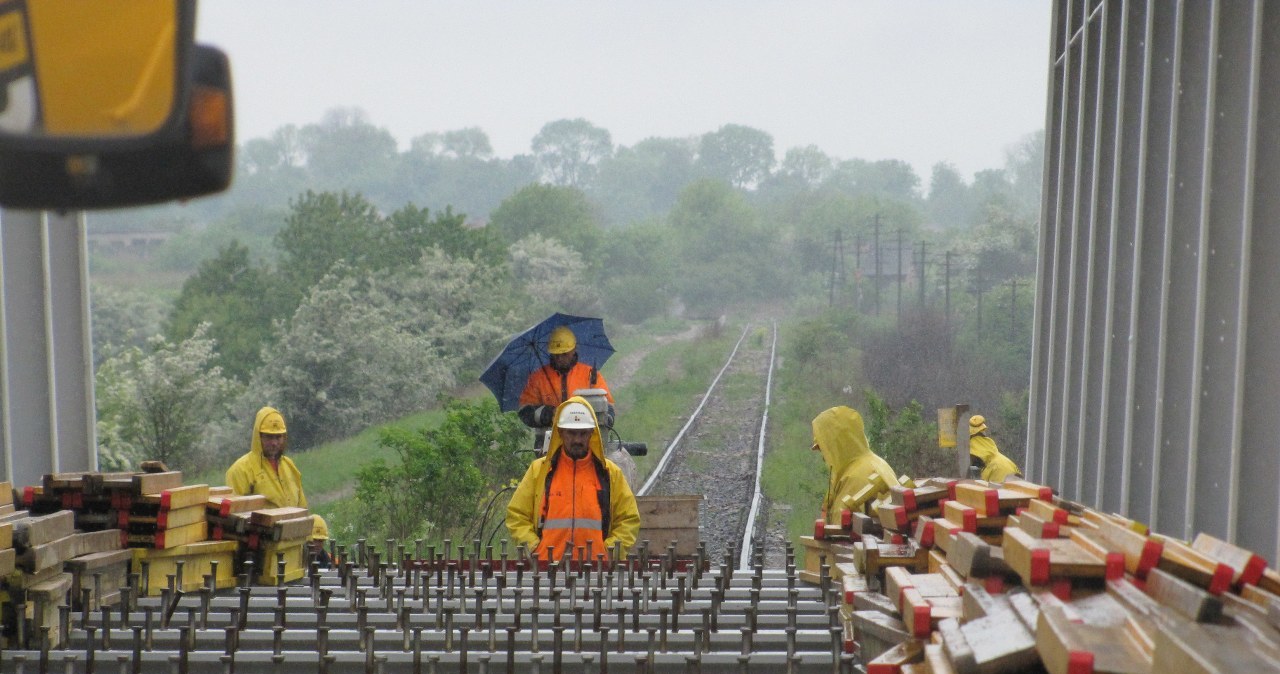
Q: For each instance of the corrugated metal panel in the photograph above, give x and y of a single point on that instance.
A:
(1156, 357)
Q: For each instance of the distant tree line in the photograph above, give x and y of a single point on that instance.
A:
(350, 283)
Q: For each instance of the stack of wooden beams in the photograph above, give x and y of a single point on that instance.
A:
(1008, 578)
(47, 557)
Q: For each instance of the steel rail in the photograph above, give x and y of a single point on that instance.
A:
(744, 559)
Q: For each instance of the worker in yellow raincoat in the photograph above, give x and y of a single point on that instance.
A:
(984, 454)
(267, 471)
(573, 498)
(839, 435)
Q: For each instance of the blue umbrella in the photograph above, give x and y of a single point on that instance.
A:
(527, 351)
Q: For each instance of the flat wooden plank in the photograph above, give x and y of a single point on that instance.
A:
(1067, 647)
(87, 563)
(267, 518)
(1247, 565)
(991, 501)
(1037, 560)
(1033, 489)
(227, 505)
(178, 497)
(33, 531)
(293, 529)
(48, 555)
(8, 561)
(6, 493)
(172, 538)
(1001, 642)
(1141, 554)
(916, 498)
(154, 483)
(97, 541)
(936, 660)
(1201, 648)
(1190, 565)
(1187, 599)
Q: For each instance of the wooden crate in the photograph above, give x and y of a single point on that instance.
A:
(664, 519)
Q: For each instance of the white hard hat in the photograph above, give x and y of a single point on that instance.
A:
(575, 415)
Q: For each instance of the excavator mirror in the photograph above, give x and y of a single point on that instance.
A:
(107, 104)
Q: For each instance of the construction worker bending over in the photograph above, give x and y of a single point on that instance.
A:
(266, 470)
(839, 435)
(573, 498)
(553, 383)
(984, 455)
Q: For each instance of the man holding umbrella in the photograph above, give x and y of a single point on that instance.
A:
(553, 383)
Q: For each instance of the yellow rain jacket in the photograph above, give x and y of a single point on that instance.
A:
(839, 435)
(997, 466)
(524, 513)
(254, 474)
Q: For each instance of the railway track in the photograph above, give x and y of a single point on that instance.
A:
(719, 451)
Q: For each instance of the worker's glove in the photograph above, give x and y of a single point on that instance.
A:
(607, 419)
(545, 414)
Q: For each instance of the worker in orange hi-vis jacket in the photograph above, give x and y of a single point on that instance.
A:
(573, 500)
(553, 383)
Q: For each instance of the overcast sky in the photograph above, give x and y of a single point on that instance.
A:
(923, 81)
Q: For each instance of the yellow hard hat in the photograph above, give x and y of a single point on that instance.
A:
(319, 529)
(977, 424)
(273, 424)
(561, 341)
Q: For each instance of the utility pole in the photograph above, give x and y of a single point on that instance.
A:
(837, 267)
(1013, 309)
(857, 271)
(978, 286)
(897, 276)
(922, 259)
(876, 243)
(947, 294)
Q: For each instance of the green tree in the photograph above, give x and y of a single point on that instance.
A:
(122, 319)
(892, 178)
(905, 439)
(723, 244)
(434, 487)
(363, 349)
(345, 151)
(739, 155)
(569, 149)
(236, 303)
(643, 180)
(553, 274)
(155, 403)
(560, 213)
(949, 202)
(322, 230)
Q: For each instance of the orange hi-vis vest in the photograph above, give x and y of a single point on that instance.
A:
(575, 509)
(548, 386)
